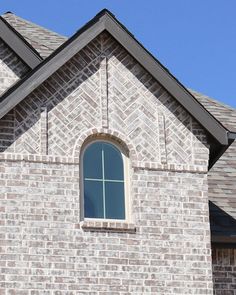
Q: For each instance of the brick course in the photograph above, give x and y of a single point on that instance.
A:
(46, 247)
(137, 107)
(224, 271)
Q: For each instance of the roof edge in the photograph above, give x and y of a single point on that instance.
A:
(18, 44)
(105, 21)
(166, 79)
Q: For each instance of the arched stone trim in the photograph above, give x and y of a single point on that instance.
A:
(106, 133)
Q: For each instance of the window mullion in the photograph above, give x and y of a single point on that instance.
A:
(103, 184)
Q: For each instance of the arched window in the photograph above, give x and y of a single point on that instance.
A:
(103, 181)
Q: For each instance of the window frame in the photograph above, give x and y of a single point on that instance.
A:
(126, 168)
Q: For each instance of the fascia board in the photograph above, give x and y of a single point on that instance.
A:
(105, 21)
(167, 80)
(24, 51)
(48, 67)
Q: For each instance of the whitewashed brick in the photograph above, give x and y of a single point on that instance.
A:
(46, 249)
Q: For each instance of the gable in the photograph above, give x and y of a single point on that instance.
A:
(103, 86)
(102, 90)
(104, 21)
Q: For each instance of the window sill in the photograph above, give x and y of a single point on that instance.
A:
(107, 226)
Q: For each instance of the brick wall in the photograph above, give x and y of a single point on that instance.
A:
(11, 67)
(224, 271)
(46, 247)
(104, 87)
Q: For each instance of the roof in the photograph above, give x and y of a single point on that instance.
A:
(105, 21)
(224, 113)
(19, 45)
(222, 176)
(222, 184)
(222, 181)
(43, 40)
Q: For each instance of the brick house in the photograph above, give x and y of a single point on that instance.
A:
(110, 169)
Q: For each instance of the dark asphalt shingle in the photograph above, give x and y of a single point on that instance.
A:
(44, 41)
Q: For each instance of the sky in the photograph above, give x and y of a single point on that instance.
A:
(194, 39)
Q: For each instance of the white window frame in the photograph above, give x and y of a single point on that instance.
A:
(127, 189)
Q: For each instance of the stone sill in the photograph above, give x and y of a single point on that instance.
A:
(107, 226)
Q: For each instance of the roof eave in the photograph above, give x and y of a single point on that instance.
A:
(46, 68)
(18, 44)
(105, 21)
(166, 79)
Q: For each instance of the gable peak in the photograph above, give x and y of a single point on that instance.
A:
(103, 12)
(8, 12)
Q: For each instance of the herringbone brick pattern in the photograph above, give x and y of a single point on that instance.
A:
(164, 247)
(78, 112)
(27, 118)
(11, 67)
(103, 86)
(136, 101)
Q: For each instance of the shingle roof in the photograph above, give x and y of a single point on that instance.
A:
(16, 42)
(43, 40)
(222, 181)
(224, 113)
(106, 21)
(222, 176)
(222, 184)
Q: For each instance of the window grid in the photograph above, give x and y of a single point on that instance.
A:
(103, 180)
(103, 184)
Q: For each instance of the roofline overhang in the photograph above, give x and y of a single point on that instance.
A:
(105, 21)
(166, 79)
(18, 44)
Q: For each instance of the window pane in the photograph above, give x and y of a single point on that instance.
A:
(93, 199)
(114, 200)
(93, 161)
(113, 163)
